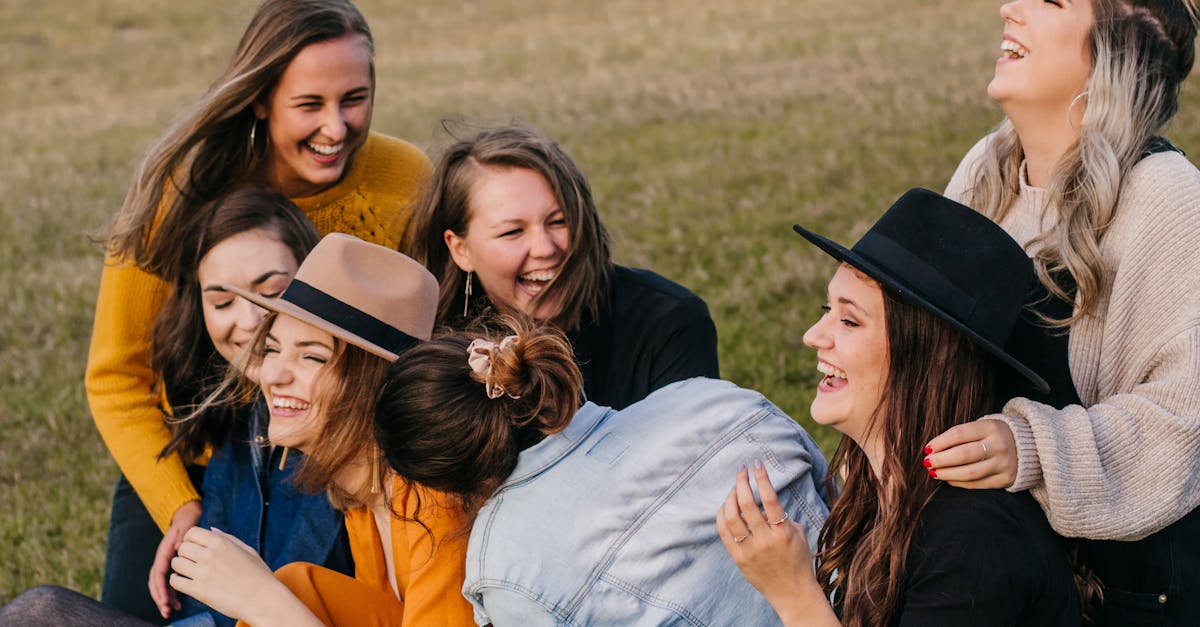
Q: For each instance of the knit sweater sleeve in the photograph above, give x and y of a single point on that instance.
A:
(120, 389)
(1128, 463)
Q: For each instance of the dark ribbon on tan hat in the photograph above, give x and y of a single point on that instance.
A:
(347, 317)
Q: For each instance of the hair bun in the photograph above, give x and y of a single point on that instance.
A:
(532, 370)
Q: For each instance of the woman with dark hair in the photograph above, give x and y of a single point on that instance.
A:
(586, 515)
(253, 238)
(319, 359)
(509, 223)
(1110, 213)
(292, 110)
(911, 341)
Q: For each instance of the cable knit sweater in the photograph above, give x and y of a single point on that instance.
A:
(1126, 464)
(372, 201)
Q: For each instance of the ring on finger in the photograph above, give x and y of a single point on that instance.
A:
(984, 445)
(741, 539)
(776, 523)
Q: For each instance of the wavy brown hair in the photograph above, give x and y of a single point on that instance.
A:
(348, 386)
(438, 428)
(582, 283)
(1141, 51)
(209, 149)
(937, 378)
(187, 364)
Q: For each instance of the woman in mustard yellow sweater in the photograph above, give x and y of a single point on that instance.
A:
(293, 109)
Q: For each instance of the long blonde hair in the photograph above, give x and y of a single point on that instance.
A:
(1141, 51)
(210, 149)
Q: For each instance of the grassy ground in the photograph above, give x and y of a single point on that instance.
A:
(707, 128)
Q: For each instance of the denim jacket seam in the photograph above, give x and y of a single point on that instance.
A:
(551, 608)
(610, 555)
(652, 599)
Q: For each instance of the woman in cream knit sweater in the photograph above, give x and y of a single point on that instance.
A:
(1110, 214)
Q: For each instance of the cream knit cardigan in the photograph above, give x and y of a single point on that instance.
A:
(1127, 463)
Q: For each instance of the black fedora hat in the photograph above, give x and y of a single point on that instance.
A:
(950, 260)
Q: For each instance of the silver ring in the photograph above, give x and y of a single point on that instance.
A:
(776, 523)
(984, 445)
(741, 539)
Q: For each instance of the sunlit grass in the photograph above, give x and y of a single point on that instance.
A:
(706, 127)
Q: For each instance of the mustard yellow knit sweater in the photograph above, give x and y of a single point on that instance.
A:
(373, 201)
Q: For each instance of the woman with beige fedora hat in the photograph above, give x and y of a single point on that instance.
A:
(293, 111)
(320, 357)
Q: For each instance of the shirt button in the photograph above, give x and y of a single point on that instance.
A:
(260, 440)
(1162, 599)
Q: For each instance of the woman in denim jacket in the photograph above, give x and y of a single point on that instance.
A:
(588, 515)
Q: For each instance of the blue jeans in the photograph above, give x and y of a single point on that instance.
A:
(133, 538)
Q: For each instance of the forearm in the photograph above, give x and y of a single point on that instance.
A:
(805, 606)
(1121, 469)
(120, 388)
(279, 607)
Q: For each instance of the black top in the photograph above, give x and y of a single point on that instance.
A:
(986, 557)
(656, 332)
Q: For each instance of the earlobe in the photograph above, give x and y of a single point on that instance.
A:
(457, 245)
(260, 109)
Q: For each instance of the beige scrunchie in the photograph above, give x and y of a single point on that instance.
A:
(479, 356)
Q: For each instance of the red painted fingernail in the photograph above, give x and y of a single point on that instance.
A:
(928, 450)
(927, 463)
(933, 473)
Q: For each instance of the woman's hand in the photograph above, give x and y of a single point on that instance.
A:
(772, 551)
(979, 455)
(222, 572)
(186, 517)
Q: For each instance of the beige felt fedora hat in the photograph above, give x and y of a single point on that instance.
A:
(370, 296)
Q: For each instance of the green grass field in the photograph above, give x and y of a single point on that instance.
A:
(706, 127)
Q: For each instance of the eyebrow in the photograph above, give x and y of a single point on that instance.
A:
(353, 92)
(258, 281)
(846, 301)
(303, 344)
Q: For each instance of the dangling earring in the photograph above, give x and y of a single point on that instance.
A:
(375, 486)
(467, 298)
(283, 458)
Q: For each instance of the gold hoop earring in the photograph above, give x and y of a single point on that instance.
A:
(283, 458)
(467, 295)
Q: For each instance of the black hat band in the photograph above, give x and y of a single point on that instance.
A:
(927, 281)
(347, 317)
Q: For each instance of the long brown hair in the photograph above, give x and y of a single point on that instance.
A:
(438, 427)
(582, 283)
(1141, 51)
(937, 378)
(349, 386)
(210, 148)
(187, 364)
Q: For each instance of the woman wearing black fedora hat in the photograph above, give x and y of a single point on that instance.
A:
(911, 342)
(319, 358)
(1110, 213)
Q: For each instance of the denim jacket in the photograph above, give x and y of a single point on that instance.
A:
(613, 520)
(248, 496)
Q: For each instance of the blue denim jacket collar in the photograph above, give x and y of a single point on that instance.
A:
(545, 454)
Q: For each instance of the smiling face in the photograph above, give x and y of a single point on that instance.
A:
(293, 377)
(255, 261)
(852, 353)
(516, 238)
(318, 115)
(1045, 57)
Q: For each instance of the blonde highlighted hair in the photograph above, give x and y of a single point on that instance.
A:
(1141, 51)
